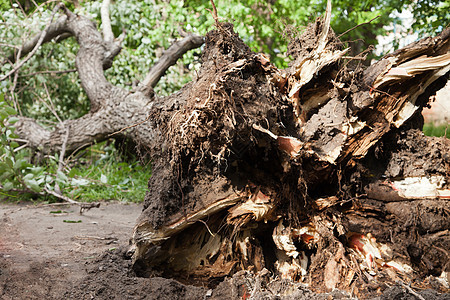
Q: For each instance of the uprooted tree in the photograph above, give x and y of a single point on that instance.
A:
(316, 172)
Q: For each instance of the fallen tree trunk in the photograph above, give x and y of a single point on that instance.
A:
(283, 169)
(315, 172)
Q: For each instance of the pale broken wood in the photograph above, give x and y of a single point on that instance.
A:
(145, 233)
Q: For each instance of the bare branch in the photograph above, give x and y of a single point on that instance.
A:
(51, 72)
(169, 58)
(347, 31)
(61, 159)
(36, 46)
(62, 197)
(108, 35)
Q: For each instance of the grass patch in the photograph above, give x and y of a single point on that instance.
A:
(101, 174)
(430, 129)
(98, 173)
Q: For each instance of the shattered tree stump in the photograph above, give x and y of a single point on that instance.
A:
(317, 173)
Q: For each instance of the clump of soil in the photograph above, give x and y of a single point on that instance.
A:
(110, 277)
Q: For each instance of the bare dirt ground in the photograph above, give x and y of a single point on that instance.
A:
(44, 255)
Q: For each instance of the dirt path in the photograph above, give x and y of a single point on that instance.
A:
(38, 245)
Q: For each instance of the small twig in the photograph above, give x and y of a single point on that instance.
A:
(61, 159)
(410, 290)
(357, 26)
(49, 72)
(21, 147)
(131, 126)
(35, 49)
(83, 206)
(63, 149)
(207, 228)
(353, 57)
(9, 45)
(94, 238)
(214, 14)
(51, 106)
(62, 197)
(266, 131)
(13, 87)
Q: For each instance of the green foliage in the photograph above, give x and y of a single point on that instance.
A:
(16, 173)
(431, 129)
(4, 5)
(99, 174)
(431, 16)
(102, 175)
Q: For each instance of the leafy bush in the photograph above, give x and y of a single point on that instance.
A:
(16, 173)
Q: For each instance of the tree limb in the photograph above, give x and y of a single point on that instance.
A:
(108, 35)
(92, 57)
(93, 127)
(169, 58)
(39, 42)
(55, 30)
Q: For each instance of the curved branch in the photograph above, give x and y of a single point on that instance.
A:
(169, 58)
(39, 42)
(57, 29)
(92, 57)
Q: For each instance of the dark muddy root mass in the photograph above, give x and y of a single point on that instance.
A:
(255, 171)
(211, 140)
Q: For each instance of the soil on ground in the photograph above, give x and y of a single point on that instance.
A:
(53, 252)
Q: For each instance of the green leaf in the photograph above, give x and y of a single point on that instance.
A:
(20, 164)
(29, 176)
(7, 186)
(61, 177)
(6, 175)
(33, 185)
(10, 110)
(13, 120)
(36, 170)
(73, 172)
(71, 221)
(9, 162)
(3, 167)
